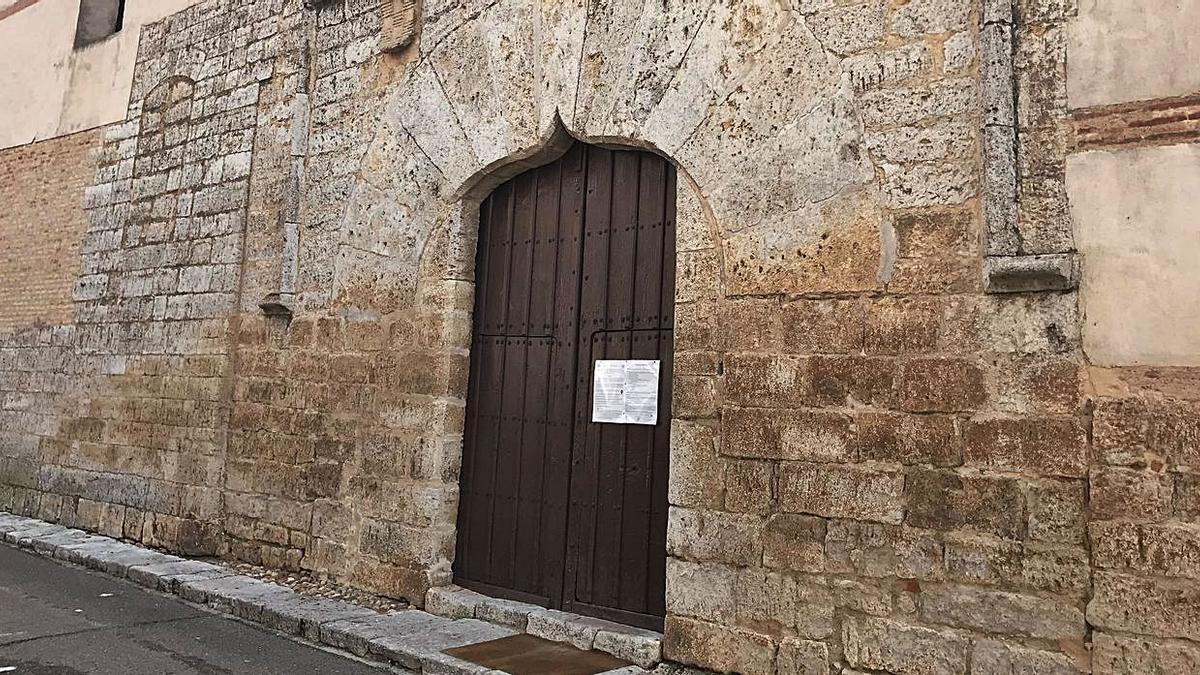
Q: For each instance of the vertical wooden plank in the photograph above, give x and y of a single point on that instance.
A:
(635, 523)
(564, 324)
(512, 405)
(593, 305)
(532, 453)
(614, 438)
(491, 383)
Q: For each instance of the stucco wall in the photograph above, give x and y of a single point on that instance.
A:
(1129, 51)
(1138, 229)
(48, 88)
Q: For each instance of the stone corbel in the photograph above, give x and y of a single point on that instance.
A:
(1007, 268)
(399, 24)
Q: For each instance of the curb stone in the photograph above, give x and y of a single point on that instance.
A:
(640, 647)
(410, 641)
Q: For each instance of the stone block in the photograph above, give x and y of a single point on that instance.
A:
(768, 601)
(794, 543)
(902, 325)
(1033, 445)
(941, 385)
(846, 380)
(925, 233)
(802, 657)
(840, 491)
(749, 486)
(165, 576)
(418, 649)
(874, 550)
(1056, 510)
(1127, 655)
(760, 433)
(453, 602)
(1166, 608)
(304, 616)
(1118, 492)
(881, 644)
(990, 657)
(355, 635)
(721, 648)
(766, 381)
(908, 439)
(697, 478)
(640, 647)
(821, 326)
(557, 626)
(1002, 613)
(508, 613)
(945, 500)
(701, 590)
(715, 536)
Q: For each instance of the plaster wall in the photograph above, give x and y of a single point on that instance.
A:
(1130, 51)
(1137, 228)
(36, 48)
(48, 88)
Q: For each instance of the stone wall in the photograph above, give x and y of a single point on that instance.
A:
(876, 466)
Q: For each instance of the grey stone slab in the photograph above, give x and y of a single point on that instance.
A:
(165, 576)
(119, 562)
(355, 635)
(219, 592)
(1031, 273)
(304, 616)
(10, 522)
(415, 649)
(641, 647)
(22, 536)
(508, 613)
(453, 602)
(47, 545)
(556, 626)
(73, 551)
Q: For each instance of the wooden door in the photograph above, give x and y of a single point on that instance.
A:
(575, 263)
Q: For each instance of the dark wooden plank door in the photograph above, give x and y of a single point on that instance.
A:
(575, 264)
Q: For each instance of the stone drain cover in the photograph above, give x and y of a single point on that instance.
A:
(529, 655)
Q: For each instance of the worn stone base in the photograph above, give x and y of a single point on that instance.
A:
(642, 647)
(411, 641)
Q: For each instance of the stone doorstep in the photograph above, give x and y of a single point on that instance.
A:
(410, 641)
(638, 646)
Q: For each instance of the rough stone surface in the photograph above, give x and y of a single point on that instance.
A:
(871, 454)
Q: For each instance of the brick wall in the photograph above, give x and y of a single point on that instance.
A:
(41, 225)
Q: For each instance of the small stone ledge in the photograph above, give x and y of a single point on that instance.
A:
(1031, 273)
(410, 641)
(641, 647)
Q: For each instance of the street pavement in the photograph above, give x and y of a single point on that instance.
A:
(62, 620)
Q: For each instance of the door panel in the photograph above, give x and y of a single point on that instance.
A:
(575, 263)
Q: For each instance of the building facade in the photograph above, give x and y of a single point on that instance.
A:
(921, 278)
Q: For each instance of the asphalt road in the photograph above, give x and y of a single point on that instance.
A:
(61, 620)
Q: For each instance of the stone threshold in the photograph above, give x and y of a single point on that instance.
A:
(636, 645)
(407, 641)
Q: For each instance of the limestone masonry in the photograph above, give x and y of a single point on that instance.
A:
(936, 379)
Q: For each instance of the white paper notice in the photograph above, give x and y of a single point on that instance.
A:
(626, 392)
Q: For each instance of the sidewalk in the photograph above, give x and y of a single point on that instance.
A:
(407, 641)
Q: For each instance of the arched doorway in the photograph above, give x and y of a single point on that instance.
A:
(575, 264)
